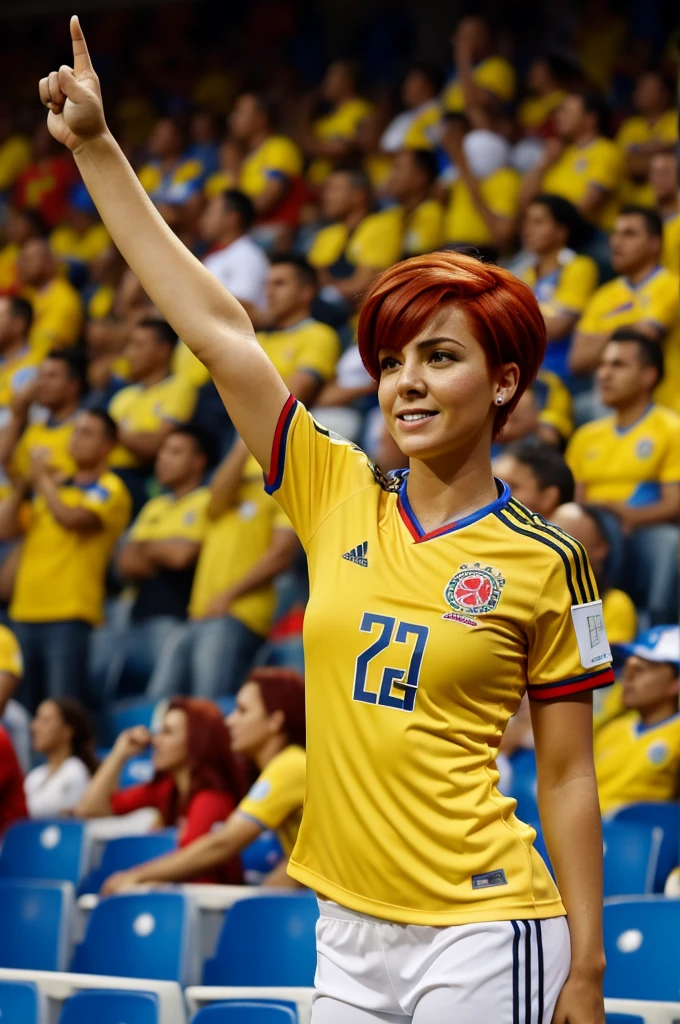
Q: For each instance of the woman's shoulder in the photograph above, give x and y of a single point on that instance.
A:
(75, 768)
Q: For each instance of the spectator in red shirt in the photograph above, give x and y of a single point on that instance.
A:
(12, 799)
(44, 185)
(197, 782)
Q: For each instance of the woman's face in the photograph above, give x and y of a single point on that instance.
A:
(249, 724)
(540, 231)
(48, 729)
(437, 395)
(170, 744)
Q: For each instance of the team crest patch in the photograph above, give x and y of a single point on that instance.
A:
(474, 589)
(644, 448)
(658, 752)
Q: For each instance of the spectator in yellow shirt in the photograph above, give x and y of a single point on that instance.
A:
(479, 71)
(149, 408)
(580, 164)
(82, 238)
(248, 543)
(547, 81)
(20, 225)
(357, 243)
(335, 135)
(637, 756)
(663, 180)
(170, 176)
(70, 527)
(18, 362)
(57, 306)
(654, 125)
(645, 296)
(412, 177)
(416, 126)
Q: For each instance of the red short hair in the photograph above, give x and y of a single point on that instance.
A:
(502, 311)
(283, 689)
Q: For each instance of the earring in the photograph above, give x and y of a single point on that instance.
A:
(499, 399)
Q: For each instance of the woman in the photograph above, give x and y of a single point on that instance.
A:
(62, 733)
(267, 726)
(561, 281)
(196, 782)
(436, 601)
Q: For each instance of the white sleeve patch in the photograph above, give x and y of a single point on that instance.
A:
(591, 635)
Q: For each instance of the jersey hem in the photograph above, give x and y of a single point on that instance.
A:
(406, 915)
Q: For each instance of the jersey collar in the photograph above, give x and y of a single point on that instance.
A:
(621, 431)
(641, 729)
(417, 531)
(644, 281)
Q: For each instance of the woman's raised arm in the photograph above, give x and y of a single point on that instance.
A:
(210, 321)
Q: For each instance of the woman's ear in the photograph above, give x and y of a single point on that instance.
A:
(277, 722)
(508, 380)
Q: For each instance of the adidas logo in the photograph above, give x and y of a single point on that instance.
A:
(358, 555)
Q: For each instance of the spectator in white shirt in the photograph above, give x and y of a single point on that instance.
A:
(62, 733)
(417, 127)
(233, 258)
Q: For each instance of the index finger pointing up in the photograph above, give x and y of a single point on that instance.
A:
(81, 56)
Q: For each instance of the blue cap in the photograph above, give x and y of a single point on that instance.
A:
(660, 643)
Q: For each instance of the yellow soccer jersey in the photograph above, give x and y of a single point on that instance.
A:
(421, 133)
(423, 229)
(218, 183)
(637, 131)
(671, 243)
(9, 278)
(170, 518)
(536, 110)
(11, 660)
(171, 186)
(598, 163)
(668, 391)
(553, 402)
(464, 223)
(634, 763)
(50, 437)
(376, 242)
(231, 546)
(62, 572)
(341, 123)
(276, 157)
(16, 374)
(418, 649)
(620, 617)
(57, 316)
(276, 799)
(141, 409)
(15, 155)
(308, 345)
(620, 304)
(628, 464)
(495, 74)
(567, 289)
(67, 244)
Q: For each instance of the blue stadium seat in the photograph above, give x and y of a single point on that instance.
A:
(631, 853)
(110, 1006)
(126, 852)
(261, 857)
(50, 850)
(523, 764)
(126, 714)
(226, 704)
(138, 935)
(36, 924)
(665, 816)
(266, 940)
(641, 945)
(623, 1018)
(246, 1012)
(19, 1002)
(136, 770)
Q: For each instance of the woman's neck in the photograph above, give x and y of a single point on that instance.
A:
(57, 758)
(547, 263)
(182, 778)
(440, 492)
(268, 751)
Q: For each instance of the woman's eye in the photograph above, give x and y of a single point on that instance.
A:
(388, 363)
(440, 356)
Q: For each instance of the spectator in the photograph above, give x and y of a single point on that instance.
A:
(334, 136)
(18, 362)
(160, 553)
(57, 306)
(81, 238)
(580, 164)
(562, 281)
(548, 79)
(586, 525)
(537, 475)
(543, 413)
(151, 406)
(654, 125)
(248, 542)
(196, 783)
(412, 177)
(272, 162)
(304, 350)
(15, 151)
(170, 177)
(62, 733)
(416, 126)
(12, 800)
(663, 179)
(479, 71)
(20, 226)
(70, 530)
(484, 202)
(233, 257)
(43, 186)
(268, 728)
(57, 390)
(357, 243)
(645, 296)
(637, 756)
(629, 464)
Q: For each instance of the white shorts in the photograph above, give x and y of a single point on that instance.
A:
(500, 972)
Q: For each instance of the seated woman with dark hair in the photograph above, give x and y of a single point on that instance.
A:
(197, 781)
(268, 727)
(62, 733)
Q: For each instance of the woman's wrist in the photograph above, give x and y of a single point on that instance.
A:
(590, 967)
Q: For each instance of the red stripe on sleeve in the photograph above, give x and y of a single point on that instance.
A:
(276, 445)
(592, 681)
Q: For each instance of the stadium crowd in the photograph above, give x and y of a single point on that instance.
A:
(139, 552)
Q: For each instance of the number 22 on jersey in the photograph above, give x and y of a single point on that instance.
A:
(398, 686)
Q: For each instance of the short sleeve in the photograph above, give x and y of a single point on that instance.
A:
(312, 470)
(503, 196)
(591, 321)
(574, 455)
(669, 470)
(147, 794)
(568, 648)
(577, 283)
(11, 660)
(663, 309)
(208, 808)
(497, 76)
(320, 352)
(377, 242)
(177, 404)
(282, 158)
(606, 168)
(110, 501)
(279, 791)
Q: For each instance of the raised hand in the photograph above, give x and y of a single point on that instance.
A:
(73, 97)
